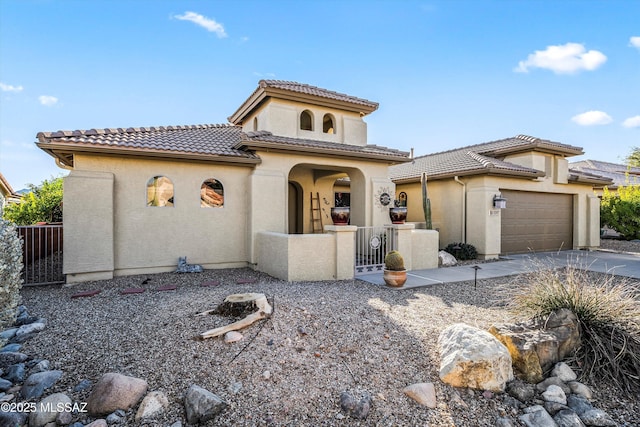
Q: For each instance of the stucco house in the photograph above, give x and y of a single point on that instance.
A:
(617, 173)
(7, 194)
(548, 207)
(255, 192)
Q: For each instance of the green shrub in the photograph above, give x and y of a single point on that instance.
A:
(608, 310)
(10, 268)
(621, 211)
(42, 204)
(394, 261)
(462, 251)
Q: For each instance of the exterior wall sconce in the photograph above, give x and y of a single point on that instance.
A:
(499, 202)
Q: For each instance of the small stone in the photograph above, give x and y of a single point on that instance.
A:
(564, 372)
(9, 358)
(64, 418)
(487, 394)
(37, 383)
(115, 391)
(22, 338)
(152, 405)
(201, 405)
(521, 390)
(41, 366)
(235, 387)
(554, 407)
(358, 409)
(8, 334)
(30, 328)
(266, 375)
(504, 422)
(580, 389)
(555, 394)
(39, 417)
(176, 424)
(25, 319)
(11, 347)
(568, 418)
(98, 423)
(423, 393)
(542, 386)
(115, 418)
(536, 416)
(82, 385)
(232, 336)
(15, 373)
(597, 417)
(5, 384)
(11, 419)
(578, 404)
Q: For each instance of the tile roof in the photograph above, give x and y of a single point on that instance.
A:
(266, 139)
(480, 159)
(206, 141)
(316, 91)
(617, 173)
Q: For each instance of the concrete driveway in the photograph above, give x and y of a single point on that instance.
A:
(619, 264)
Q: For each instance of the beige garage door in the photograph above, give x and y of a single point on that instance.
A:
(536, 222)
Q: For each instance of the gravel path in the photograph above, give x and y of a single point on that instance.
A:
(323, 338)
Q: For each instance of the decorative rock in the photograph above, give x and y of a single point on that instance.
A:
(521, 390)
(176, 424)
(39, 417)
(82, 386)
(117, 417)
(423, 393)
(358, 409)
(232, 336)
(98, 423)
(597, 417)
(37, 383)
(578, 404)
(564, 372)
(11, 347)
(9, 358)
(542, 386)
(41, 366)
(64, 418)
(536, 416)
(183, 267)
(504, 422)
(555, 394)
(25, 319)
(77, 424)
(30, 328)
(5, 384)
(8, 334)
(115, 391)
(11, 419)
(201, 405)
(536, 346)
(22, 338)
(266, 375)
(471, 357)
(568, 418)
(15, 373)
(152, 405)
(554, 407)
(445, 259)
(580, 389)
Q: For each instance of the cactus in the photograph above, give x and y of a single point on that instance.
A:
(394, 261)
(426, 203)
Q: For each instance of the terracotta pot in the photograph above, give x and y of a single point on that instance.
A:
(340, 215)
(394, 278)
(398, 215)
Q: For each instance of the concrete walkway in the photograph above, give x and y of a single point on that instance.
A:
(619, 264)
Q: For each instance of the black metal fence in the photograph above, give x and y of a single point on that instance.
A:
(42, 254)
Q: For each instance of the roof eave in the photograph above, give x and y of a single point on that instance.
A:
(65, 152)
(543, 148)
(324, 151)
(473, 172)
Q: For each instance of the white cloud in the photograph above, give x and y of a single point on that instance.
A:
(204, 22)
(9, 88)
(634, 42)
(47, 100)
(632, 122)
(591, 118)
(563, 59)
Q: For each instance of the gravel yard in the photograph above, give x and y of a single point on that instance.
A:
(323, 338)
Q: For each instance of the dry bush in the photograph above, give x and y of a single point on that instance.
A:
(608, 309)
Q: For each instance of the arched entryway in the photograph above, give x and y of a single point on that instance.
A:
(295, 208)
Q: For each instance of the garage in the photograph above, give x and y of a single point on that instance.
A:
(536, 222)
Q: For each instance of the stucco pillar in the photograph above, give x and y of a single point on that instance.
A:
(268, 203)
(593, 221)
(345, 241)
(88, 226)
(483, 222)
(404, 234)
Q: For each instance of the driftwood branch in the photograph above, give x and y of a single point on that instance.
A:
(257, 300)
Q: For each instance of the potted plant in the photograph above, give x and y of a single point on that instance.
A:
(394, 273)
(398, 213)
(340, 215)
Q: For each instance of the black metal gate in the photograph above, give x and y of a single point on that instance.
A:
(42, 254)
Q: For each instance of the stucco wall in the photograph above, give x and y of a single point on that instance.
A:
(150, 239)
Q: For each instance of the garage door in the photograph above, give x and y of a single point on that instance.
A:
(536, 222)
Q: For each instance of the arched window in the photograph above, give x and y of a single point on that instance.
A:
(306, 120)
(328, 124)
(255, 124)
(211, 194)
(159, 191)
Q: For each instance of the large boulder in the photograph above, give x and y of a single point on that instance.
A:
(471, 357)
(115, 391)
(536, 346)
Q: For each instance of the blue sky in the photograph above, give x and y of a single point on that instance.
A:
(446, 73)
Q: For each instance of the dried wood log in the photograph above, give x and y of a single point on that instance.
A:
(241, 302)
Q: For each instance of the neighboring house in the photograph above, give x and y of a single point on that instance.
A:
(617, 173)
(7, 195)
(547, 206)
(227, 195)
